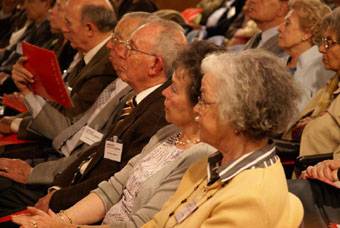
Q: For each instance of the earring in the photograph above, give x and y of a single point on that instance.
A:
(236, 132)
(197, 118)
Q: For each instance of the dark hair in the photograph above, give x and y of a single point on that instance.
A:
(190, 60)
(104, 18)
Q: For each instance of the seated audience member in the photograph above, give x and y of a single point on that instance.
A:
(241, 35)
(172, 15)
(37, 32)
(296, 36)
(67, 135)
(225, 17)
(245, 98)
(319, 121)
(60, 45)
(321, 201)
(124, 6)
(145, 62)
(90, 72)
(132, 196)
(268, 15)
(208, 7)
(9, 12)
(229, 15)
(56, 43)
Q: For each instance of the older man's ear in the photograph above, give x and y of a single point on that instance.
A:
(157, 67)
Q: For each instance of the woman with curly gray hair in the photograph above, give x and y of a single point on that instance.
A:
(297, 35)
(245, 99)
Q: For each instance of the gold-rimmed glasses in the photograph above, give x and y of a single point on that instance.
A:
(128, 45)
(327, 42)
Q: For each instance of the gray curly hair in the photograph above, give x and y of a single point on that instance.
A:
(256, 94)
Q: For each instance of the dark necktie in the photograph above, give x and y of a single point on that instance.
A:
(255, 40)
(130, 104)
(73, 74)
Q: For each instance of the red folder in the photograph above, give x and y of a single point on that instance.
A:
(48, 82)
(11, 140)
(14, 102)
(9, 217)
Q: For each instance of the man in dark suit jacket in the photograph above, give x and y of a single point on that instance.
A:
(145, 66)
(87, 77)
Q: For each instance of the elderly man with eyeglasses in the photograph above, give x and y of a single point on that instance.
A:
(144, 62)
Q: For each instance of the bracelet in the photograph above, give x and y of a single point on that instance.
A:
(61, 214)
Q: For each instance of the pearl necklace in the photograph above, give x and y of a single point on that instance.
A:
(185, 142)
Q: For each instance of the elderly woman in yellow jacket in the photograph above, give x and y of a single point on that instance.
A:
(245, 99)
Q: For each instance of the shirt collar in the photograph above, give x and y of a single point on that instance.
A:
(140, 96)
(261, 158)
(91, 53)
(266, 35)
(308, 57)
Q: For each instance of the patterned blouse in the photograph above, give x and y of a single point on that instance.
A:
(147, 166)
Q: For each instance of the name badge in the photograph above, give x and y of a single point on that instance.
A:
(187, 210)
(90, 136)
(113, 150)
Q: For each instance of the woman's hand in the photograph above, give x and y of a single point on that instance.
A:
(323, 170)
(39, 219)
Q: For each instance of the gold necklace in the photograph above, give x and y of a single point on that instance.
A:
(181, 142)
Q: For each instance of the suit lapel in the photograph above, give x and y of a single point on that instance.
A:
(272, 45)
(139, 110)
(119, 130)
(100, 149)
(74, 80)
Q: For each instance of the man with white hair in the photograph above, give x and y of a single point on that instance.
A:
(88, 75)
(144, 61)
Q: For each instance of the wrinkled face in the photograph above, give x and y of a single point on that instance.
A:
(262, 10)
(36, 9)
(74, 30)
(212, 129)
(139, 59)
(56, 17)
(291, 34)
(118, 51)
(177, 104)
(330, 50)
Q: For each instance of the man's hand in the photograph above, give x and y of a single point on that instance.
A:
(22, 77)
(15, 169)
(43, 202)
(323, 170)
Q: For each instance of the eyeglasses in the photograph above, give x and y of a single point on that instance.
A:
(203, 103)
(128, 45)
(327, 42)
